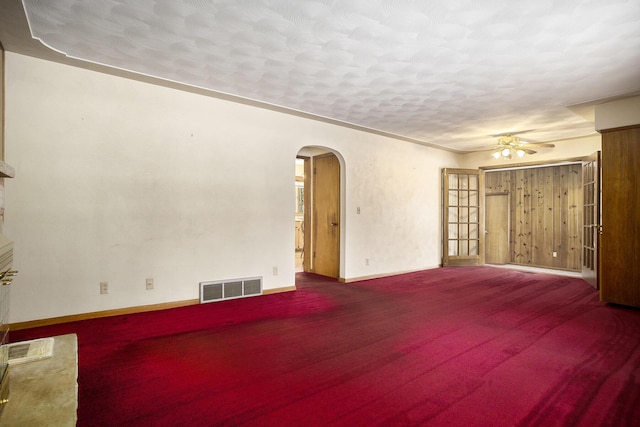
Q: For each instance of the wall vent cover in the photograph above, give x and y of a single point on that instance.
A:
(230, 289)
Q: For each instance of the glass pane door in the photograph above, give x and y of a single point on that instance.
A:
(591, 219)
(461, 216)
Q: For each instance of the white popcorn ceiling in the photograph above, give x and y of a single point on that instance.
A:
(448, 73)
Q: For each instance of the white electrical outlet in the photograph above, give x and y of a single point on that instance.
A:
(104, 287)
(149, 284)
(275, 270)
(555, 254)
(366, 261)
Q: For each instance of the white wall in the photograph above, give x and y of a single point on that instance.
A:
(398, 192)
(118, 180)
(617, 114)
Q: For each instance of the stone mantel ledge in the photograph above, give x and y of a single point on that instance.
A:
(6, 171)
(45, 392)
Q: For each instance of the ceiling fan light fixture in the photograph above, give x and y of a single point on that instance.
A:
(520, 153)
(496, 155)
(506, 152)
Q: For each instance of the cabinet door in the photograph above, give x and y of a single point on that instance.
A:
(620, 239)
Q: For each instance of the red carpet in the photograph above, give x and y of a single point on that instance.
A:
(474, 346)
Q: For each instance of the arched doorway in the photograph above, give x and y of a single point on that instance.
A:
(319, 194)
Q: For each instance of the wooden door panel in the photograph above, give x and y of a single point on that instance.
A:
(496, 229)
(326, 202)
(620, 239)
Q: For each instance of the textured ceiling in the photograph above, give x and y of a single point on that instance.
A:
(448, 73)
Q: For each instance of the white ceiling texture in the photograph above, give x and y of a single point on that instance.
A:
(445, 73)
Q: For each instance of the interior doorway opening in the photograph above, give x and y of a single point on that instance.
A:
(318, 214)
(302, 164)
(541, 215)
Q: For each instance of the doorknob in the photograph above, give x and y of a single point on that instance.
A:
(334, 224)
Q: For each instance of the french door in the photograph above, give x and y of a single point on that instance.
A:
(591, 219)
(462, 237)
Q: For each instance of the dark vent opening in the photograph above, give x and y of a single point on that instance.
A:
(212, 292)
(233, 290)
(252, 287)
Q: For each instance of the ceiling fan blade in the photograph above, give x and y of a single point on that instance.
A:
(540, 144)
(527, 150)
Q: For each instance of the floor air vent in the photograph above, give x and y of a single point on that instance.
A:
(29, 351)
(230, 289)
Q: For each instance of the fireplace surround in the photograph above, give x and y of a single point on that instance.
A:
(6, 276)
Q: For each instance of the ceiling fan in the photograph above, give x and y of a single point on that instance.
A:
(509, 145)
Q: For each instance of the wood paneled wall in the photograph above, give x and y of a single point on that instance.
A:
(545, 214)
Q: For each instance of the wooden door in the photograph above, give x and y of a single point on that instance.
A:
(462, 240)
(326, 218)
(620, 238)
(591, 218)
(496, 235)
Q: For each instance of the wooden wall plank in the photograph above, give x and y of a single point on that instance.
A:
(516, 218)
(513, 238)
(527, 232)
(559, 220)
(539, 222)
(497, 182)
(523, 218)
(547, 237)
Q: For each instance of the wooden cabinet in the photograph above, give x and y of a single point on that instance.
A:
(620, 240)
